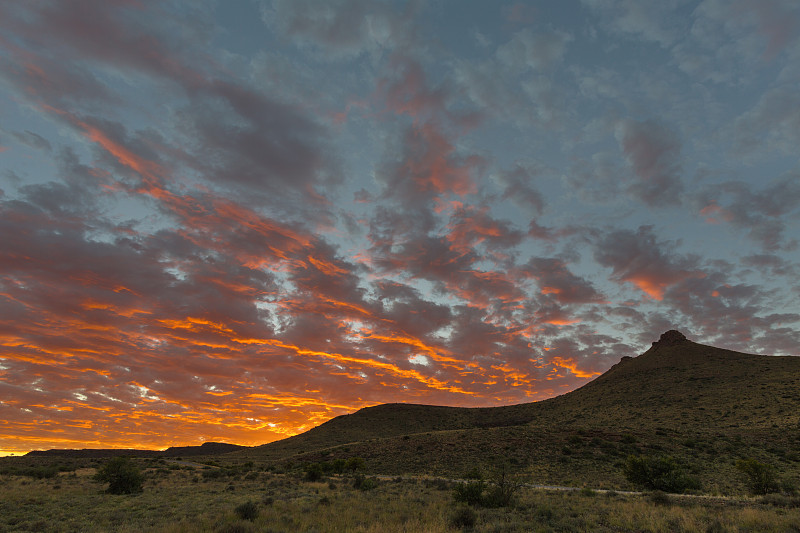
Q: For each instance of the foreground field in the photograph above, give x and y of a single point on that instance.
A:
(182, 497)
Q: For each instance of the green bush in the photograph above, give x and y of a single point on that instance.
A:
(122, 475)
(759, 477)
(247, 511)
(659, 472)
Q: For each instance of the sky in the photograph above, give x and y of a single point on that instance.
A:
(234, 220)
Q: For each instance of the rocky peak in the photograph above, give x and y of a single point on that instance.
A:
(670, 338)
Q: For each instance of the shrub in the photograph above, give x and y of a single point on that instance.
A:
(214, 473)
(660, 498)
(470, 493)
(499, 493)
(463, 518)
(338, 466)
(364, 483)
(780, 500)
(354, 463)
(122, 476)
(38, 472)
(473, 473)
(247, 511)
(759, 477)
(659, 473)
(369, 484)
(313, 472)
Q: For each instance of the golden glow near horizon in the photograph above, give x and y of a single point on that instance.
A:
(203, 239)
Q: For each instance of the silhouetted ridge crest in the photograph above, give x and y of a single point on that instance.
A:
(672, 337)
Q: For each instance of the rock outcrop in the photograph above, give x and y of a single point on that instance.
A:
(670, 338)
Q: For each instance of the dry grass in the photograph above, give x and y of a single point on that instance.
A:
(183, 501)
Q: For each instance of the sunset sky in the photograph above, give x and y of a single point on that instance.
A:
(233, 220)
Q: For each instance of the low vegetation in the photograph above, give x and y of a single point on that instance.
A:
(182, 500)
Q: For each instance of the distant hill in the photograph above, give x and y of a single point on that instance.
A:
(207, 448)
(706, 405)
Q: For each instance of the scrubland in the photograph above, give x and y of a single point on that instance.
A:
(190, 497)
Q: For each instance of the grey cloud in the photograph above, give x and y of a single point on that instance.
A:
(648, 21)
(774, 264)
(640, 258)
(727, 45)
(339, 27)
(241, 138)
(556, 279)
(534, 50)
(773, 123)
(595, 180)
(32, 140)
(518, 184)
(653, 151)
(762, 214)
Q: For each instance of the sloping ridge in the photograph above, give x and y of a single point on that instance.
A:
(676, 384)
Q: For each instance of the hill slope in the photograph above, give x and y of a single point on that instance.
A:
(679, 397)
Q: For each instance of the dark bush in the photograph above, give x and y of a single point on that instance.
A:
(338, 466)
(364, 483)
(659, 472)
(214, 473)
(759, 477)
(470, 493)
(499, 493)
(313, 472)
(354, 463)
(474, 473)
(247, 511)
(660, 498)
(780, 500)
(463, 518)
(38, 472)
(122, 475)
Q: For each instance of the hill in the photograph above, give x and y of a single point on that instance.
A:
(207, 448)
(706, 406)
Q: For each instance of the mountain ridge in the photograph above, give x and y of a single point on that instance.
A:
(678, 397)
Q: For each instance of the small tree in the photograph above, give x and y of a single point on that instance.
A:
(760, 478)
(122, 476)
